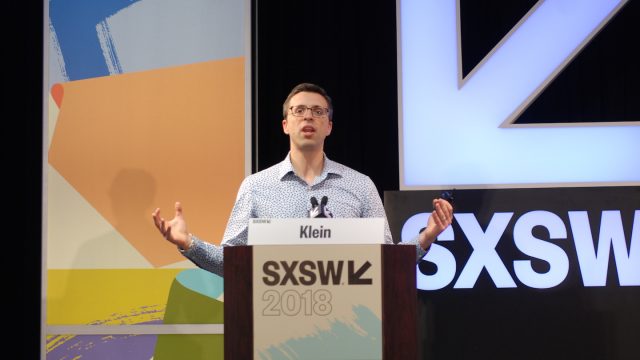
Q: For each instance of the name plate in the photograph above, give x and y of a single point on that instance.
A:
(302, 231)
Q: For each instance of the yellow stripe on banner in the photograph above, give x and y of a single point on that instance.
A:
(107, 297)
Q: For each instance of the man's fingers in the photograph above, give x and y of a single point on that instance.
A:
(443, 214)
(444, 208)
(178, 207)
(156, 217)
(159, 222)
(437, 217)
(160, 226)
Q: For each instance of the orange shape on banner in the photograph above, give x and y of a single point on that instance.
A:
(57, 92)
(133, 142)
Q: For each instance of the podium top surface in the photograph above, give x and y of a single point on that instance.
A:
(301, 231)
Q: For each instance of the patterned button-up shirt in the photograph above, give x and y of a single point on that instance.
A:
(277, 192)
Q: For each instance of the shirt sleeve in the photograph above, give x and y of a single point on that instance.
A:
(373, 208)
(210, 257)
(237, 229)
(206, 256)
(420, 252)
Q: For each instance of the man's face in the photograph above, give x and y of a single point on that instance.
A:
(307, 132)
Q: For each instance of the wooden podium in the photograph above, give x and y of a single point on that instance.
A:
(398, 296)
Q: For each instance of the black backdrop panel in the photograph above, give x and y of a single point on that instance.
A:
(565, 321)
(348, 48)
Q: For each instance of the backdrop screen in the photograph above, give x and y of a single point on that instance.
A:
(460, 106)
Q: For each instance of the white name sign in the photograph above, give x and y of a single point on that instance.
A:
(302, 231)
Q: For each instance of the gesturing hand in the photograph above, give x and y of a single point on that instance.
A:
(174, 230)
(440, 219)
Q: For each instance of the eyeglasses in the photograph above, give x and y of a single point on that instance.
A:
(316, 111)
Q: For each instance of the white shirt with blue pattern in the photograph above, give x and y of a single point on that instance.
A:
(277, 192)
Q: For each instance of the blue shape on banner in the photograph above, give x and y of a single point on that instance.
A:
(74, 22)
(203, 282)
(341, 341)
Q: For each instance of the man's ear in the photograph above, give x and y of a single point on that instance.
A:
(284, 126)
(330, 127)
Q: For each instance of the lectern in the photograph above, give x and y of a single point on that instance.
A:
(315, 300)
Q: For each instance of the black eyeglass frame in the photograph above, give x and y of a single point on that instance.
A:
(325, 111)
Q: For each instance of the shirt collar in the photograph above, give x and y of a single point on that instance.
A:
(330, 167)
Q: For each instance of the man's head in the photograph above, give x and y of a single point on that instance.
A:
(307, 87)
(307, 118)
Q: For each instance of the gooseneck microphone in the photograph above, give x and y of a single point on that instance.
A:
(323, 207)
(314, 212)
(319, 210)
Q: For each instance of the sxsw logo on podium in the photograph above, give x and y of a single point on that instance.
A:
(308, 273)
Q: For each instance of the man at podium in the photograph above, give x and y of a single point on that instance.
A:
(305, 184)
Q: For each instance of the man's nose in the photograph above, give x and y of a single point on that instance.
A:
(308, 114)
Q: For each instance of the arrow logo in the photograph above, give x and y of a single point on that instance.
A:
(355, 277)
(459, 132)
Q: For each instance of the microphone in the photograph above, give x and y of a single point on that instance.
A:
(315, 209)
(323, 208)
(319, 210)
(324, 201)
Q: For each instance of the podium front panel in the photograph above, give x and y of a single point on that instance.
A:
(320, 302)
(317, 301)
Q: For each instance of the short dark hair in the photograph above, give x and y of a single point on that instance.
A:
(307, 87)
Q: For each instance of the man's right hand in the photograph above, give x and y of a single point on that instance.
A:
(174, 230)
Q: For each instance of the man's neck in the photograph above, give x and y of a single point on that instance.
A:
(307, 165)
